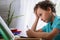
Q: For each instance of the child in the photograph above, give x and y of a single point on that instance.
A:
(45, 11)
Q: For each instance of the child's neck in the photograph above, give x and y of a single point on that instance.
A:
(52, 18)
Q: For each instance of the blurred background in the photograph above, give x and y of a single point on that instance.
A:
(25, 8)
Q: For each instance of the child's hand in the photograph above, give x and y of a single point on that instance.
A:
(30, 33)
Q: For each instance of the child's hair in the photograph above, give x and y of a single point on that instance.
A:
(44, 5)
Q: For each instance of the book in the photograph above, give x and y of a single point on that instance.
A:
(5, 31)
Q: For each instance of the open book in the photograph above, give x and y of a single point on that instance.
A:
(5, 31)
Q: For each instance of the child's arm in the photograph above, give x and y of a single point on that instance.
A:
(40, 30)
(46, 35)
(35, 24)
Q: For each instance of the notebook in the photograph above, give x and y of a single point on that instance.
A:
(5, 31)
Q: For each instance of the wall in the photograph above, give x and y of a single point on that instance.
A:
(4, 7)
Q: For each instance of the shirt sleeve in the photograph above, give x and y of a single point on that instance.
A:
(44, 29)
(57, 25)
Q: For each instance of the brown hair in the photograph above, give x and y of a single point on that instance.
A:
(44, 5)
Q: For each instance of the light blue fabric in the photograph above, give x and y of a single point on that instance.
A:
(55, 24)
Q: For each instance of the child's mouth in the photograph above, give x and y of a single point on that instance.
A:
(43, 20)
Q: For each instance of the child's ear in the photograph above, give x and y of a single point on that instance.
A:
(49, 10)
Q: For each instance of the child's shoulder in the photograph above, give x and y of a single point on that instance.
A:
(58, 18)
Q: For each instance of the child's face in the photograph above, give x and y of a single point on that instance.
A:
(44, 14)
